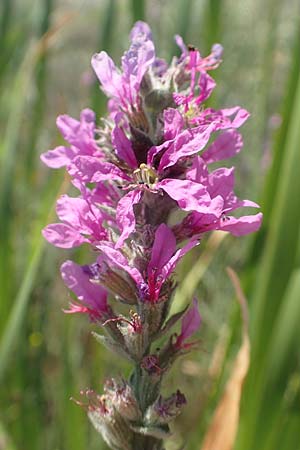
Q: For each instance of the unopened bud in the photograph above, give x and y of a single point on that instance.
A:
(165, 410)
(151, 365)
(107, 421)
(154, 315)
(119, 285)
(123, 399)
(158, 99)
(146, 85)
(138, 120)
(135, 336)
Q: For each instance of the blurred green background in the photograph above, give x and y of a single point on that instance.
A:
(47, 357)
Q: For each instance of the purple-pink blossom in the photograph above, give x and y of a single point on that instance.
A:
(190, 323)
(163, 260)
(92, 298)
(81, 222)
(81, 138)
(123, 85)
(148, 182)
(123, 170)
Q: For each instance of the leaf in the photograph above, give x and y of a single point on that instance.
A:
(286, 333)
(9, 338)
(222, 431)
(138, 9)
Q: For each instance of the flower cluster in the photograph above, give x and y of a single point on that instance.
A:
(146, 166)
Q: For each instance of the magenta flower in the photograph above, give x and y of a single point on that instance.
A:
(189, 195)
(146, 165)
(81, 222)
(223, 118)
(80, 135)
(219, 184)
(189, 325)
(201, 84)
(92, 298)
(123, 87)
(163, 260)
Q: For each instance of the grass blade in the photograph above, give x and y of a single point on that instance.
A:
(138, 10)
(17, 315)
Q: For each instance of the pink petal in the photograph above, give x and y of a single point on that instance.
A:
(198, 172)
(58, 157)
(191, 322)
(123, 147)
(93, 170)
(163, 249)
(241, 226)
(179, 41)
(232, 202)
(206, 85)
(125, 215)
(187, 143)
(119, 260)
(78, 133)
(240, 115)
(153, 151)
(240, 118)
(140, 55)
(110, 79)
(173, 123)
(248, 204)
(73, 211)
(227, 145)
(63, 236)
(171, 264)
(68, 126)
(189, 195)
(140, 28)
(88, 118)
(76, 279)
(221, 182)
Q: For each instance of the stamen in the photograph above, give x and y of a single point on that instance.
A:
(145, 175)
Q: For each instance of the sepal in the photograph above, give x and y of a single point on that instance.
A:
(170, 323)
(136, 341)
(154, 314)
(164, 410)
(158, 432)
(123, 399)
(113, 346)
(113, 428)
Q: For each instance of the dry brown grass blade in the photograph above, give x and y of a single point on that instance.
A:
(48, 39)
(222, 431)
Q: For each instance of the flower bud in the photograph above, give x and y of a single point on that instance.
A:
(107, 421)
(165, 410)
(151, 365)
(136, 336)
(158, 99)
(123, 399)
(154, 314)
(119, 285)
(146, 84)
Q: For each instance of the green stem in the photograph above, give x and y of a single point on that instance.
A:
(146, 390)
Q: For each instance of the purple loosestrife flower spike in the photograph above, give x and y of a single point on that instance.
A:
(149, 159)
